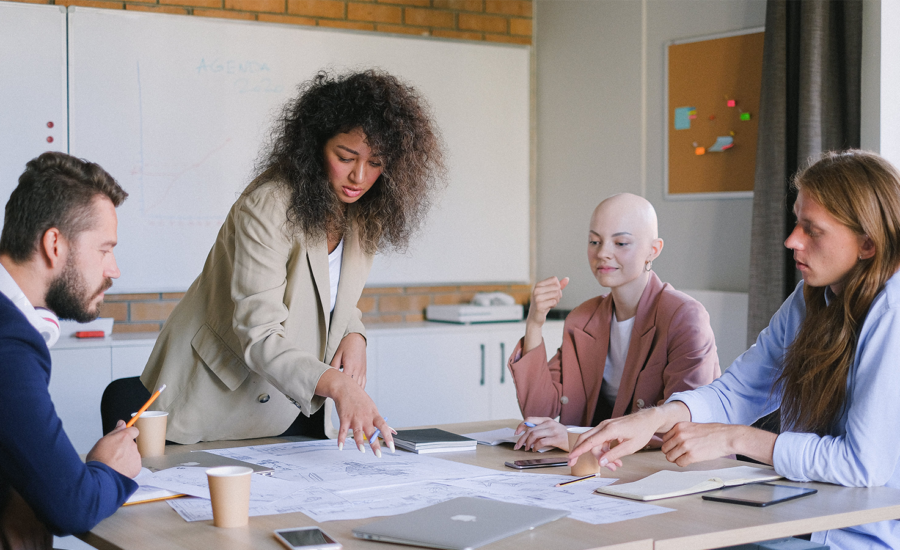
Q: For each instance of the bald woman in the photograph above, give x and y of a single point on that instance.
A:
(621, 352)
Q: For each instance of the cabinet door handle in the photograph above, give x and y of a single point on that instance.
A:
(482, 364)
(502, 363)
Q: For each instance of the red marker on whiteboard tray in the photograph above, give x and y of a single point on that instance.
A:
(89, 334)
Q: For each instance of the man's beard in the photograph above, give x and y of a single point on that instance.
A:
(69, 297)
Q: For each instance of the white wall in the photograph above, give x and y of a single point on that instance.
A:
(870, 104)
(889, 96)
(600, 117)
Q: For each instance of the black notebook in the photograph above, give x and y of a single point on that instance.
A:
(433, 440)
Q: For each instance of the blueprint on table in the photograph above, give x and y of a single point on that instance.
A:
(339, 485)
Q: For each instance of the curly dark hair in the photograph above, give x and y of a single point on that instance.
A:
(398, 128)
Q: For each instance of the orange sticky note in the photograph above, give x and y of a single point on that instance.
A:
(700, 151)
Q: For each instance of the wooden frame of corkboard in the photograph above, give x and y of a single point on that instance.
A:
(704, 74)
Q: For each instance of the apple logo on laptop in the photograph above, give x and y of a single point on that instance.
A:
(463, 517)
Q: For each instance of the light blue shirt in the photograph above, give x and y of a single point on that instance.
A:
(863, 449)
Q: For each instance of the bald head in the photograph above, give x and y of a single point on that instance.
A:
(635, 214)
(623, 241)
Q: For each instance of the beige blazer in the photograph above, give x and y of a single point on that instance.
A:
(672, 349)
(248, 342)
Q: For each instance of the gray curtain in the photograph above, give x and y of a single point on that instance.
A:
(809, 103)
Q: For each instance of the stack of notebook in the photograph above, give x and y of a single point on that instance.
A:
(433, 440)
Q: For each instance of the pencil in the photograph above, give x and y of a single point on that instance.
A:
(144, 408)
(577, 480)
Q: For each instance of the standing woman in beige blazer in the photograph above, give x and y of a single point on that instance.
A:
(621, 352)
(271, 323)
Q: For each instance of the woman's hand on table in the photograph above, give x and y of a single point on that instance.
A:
(350, 357)
(356, 411)
(618, 437)
(543, 432)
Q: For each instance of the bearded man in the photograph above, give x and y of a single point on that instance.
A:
(56, 255)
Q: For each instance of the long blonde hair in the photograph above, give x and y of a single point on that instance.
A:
(862, 191)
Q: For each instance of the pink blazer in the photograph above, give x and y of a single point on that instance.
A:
(672, 349)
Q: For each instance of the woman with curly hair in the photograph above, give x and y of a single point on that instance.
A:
(271, 323)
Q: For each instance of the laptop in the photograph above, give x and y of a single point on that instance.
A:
(199, 459)
(458, 524)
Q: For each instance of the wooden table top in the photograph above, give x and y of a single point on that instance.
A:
(695, 523)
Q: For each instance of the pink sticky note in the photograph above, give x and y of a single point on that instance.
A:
(731, 103)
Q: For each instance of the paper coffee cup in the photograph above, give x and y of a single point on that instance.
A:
(229, 491)
(587, 463)
(151, 441)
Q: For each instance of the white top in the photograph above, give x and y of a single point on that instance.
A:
(334, 270)
(45, 321)
(619, 338)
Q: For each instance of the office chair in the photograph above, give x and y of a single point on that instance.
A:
(120, 399)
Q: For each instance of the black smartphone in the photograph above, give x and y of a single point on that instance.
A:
(538, 463)
(759, 494)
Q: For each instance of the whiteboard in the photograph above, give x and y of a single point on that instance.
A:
(32, 89)
(177, 109)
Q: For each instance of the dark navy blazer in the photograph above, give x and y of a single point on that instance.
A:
(36, 457)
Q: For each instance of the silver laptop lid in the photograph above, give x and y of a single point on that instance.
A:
(199, 459)
(458, 524)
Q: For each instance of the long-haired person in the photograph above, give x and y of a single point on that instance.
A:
(622, 351)
(271, 323)
(828, 358)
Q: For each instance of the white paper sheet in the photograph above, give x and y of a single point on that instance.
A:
(146, 491)
(342, 485)
(320, 463)
(192, 481)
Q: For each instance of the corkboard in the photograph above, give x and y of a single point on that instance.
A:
(705, 74)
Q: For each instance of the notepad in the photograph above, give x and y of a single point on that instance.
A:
(495, 437)
(147, 493)
(433, 440)
(669, 484)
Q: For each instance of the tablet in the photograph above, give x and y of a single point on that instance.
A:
(758, 494)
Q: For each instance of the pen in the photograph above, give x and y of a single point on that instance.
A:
(144, 408)
(576, 480)
(530, 425)
(375, 435)
(377, 431)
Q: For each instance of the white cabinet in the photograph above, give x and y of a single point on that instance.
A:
(77, 380)
(431, 373)
(81, 370)
(426, 378)
(128, 361)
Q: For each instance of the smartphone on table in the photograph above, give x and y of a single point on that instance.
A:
(306, 538)
(538, 463)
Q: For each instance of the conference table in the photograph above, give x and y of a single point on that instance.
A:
(695, 523)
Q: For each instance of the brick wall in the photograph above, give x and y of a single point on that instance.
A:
(147, 312)
(491, 20)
